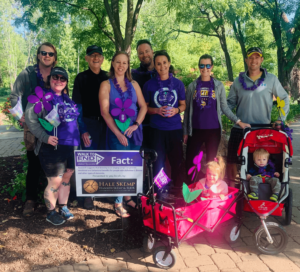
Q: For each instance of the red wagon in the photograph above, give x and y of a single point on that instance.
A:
(171, 225)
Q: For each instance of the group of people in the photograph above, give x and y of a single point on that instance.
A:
(124, 110)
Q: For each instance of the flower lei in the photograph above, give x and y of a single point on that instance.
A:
(254, 87)
(262, 170)
(198, 93)
(287, 130)
(121, 93)
(161, 88)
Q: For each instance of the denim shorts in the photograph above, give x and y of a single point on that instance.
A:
(55, 161)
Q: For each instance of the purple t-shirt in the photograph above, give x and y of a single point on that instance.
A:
(206, 118)
(67, 131)
(167, 98)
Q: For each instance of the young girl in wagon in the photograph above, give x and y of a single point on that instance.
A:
(213, 184)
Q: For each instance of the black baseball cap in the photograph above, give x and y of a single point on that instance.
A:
(59, 71)
(254, 50)
(94, 49)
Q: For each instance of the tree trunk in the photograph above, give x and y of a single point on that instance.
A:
(223, 43)
(241, 39)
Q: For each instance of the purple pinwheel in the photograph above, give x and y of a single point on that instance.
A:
(123, 109)
(40, 100)
(197, 167)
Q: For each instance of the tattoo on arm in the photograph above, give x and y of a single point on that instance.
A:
(47, 203)
(66, 184)
(54, 190)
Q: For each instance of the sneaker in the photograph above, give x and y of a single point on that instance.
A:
(274, 198)
(253, 195)
(29, 208)
(55, 218)
(65, 213)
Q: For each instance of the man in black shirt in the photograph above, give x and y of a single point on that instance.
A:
(92, 126)
(141, 75)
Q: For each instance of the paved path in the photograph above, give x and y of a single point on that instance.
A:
(10, 141)
(206, 252)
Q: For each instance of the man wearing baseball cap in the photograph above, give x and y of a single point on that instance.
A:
(92, 127)
(252, 95)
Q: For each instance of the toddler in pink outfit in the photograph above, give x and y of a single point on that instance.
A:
(213, 185)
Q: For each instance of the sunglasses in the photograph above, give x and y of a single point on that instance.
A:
(44, 53)
(61, 79)
(202, 66)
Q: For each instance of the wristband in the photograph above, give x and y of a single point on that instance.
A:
(239, 120)
(178, 110)
(136, 123)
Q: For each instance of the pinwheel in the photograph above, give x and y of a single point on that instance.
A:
(40, 100)
(196, 168)
(280, 106)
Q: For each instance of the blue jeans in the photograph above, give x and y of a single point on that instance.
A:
(114, 144)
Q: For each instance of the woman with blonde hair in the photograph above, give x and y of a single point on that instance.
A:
(118, 98)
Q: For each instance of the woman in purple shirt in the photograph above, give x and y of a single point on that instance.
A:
(205, 99)
(165, 97)
(55, 149)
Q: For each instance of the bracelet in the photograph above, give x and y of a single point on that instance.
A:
(178, 110)
(136, 123)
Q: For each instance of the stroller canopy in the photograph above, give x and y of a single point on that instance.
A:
(271, 140)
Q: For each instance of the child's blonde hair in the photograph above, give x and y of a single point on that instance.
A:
(260, 152)
(218, 165)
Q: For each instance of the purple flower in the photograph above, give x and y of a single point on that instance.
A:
(40, 100)
(123, 111)
(197, 167)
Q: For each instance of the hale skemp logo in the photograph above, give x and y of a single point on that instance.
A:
(89, 157)
(90, 186)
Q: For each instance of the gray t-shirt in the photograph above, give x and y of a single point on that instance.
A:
(255, 107)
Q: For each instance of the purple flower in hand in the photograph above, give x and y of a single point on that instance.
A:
(123, 111)
(197, 167)
(40, 100)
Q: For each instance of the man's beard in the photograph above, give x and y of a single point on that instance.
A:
(146, 64)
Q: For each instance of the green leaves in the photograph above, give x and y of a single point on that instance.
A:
(188, 195)
(123, 126)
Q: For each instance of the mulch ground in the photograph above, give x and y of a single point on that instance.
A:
(32, 243)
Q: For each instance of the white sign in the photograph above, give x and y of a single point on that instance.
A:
(108, 173)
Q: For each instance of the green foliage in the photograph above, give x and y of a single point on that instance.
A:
(18, 185)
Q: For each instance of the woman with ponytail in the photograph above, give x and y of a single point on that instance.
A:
(165, 98)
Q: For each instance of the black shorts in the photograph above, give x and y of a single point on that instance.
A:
(236, 136)
(55, 161)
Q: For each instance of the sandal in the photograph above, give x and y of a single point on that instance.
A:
(120, 211)
(127, 201)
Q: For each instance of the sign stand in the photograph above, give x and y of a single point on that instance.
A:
(101, 230)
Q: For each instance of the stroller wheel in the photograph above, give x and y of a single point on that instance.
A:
(148, 243)
(288, 207)
(278, 235)
(158, 258)
(232, 233)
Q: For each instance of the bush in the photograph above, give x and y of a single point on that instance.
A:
(4, 91)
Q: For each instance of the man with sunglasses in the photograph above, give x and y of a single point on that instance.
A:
(24, 85)
(92, 126)
(252, 95)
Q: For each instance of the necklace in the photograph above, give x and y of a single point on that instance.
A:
(165, 96)
(254, 87)
(121, 93)
(199, 97)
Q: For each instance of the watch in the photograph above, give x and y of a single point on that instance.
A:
(136, 123)
(178, 110)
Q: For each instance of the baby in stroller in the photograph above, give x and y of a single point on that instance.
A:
(263, 172)
(213, 184)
